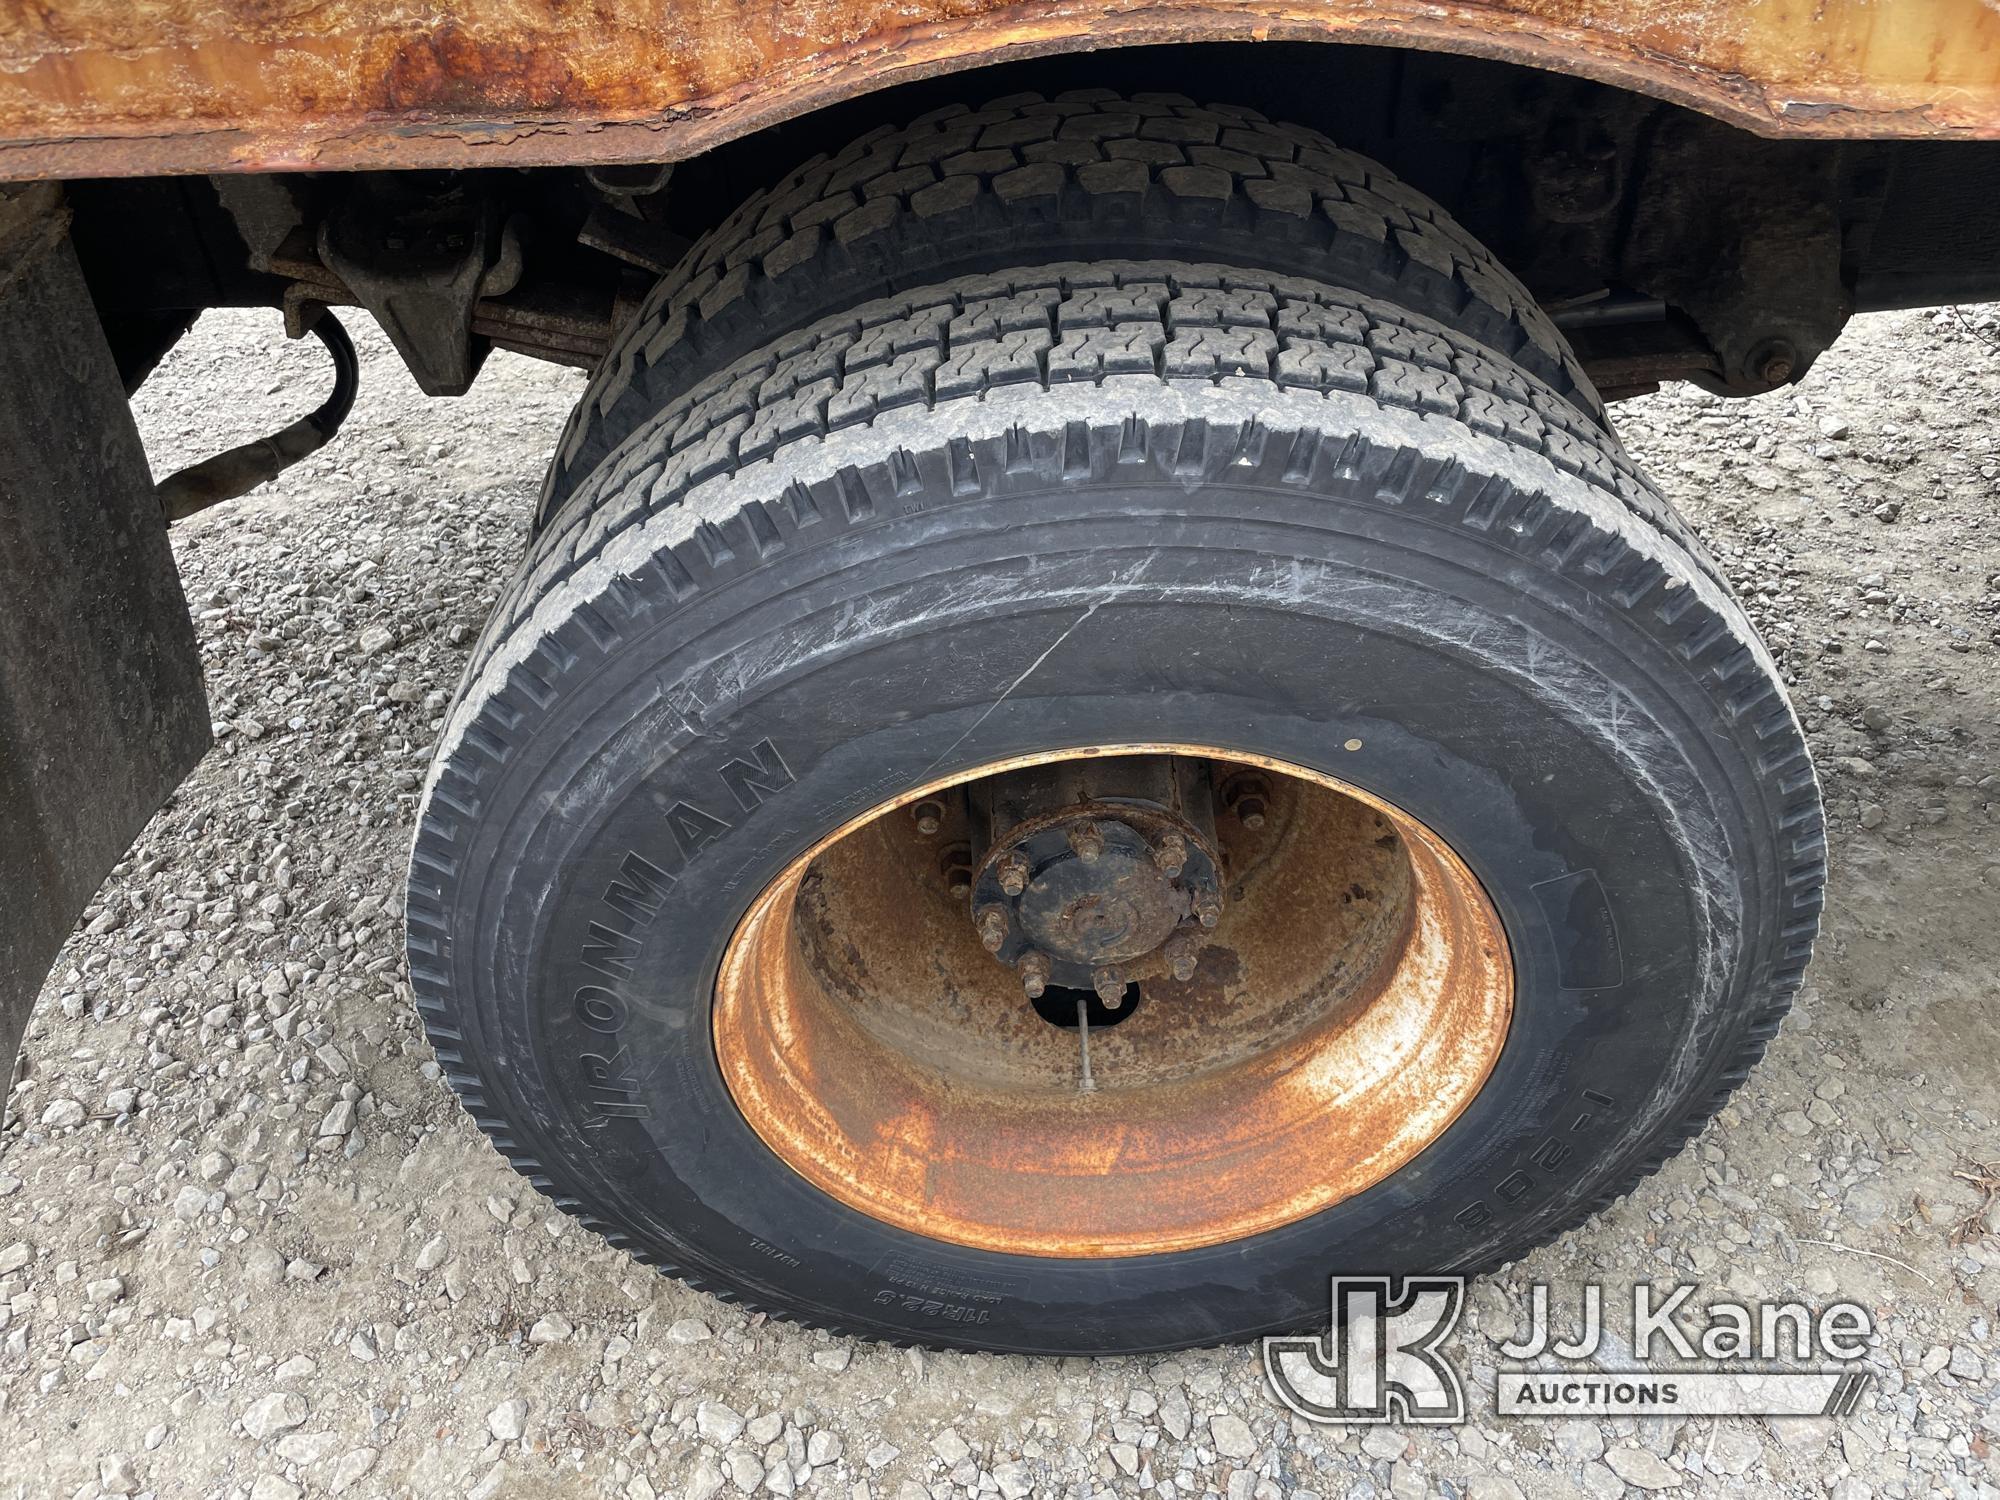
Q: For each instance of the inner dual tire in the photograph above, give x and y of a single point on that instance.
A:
(1545, 875)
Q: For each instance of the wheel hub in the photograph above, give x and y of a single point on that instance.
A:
(1096, 871)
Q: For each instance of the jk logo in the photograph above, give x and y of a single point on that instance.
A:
(1379, 1361)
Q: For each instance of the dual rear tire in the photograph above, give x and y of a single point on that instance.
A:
(1065, 509)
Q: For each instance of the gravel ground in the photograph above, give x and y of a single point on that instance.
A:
(249, 1245)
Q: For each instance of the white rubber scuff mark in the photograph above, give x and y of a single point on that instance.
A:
(1032, 668)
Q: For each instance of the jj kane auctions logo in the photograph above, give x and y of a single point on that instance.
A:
(1385, 1359)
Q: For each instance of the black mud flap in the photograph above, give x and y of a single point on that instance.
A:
(102, 710)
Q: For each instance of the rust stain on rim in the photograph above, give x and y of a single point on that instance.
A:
(1357, 996)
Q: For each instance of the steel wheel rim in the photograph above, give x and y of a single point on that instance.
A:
(930, 1105)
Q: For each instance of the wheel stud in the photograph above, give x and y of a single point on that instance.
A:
(1182, 952)
(1087, 839)
(1034, 974)
(1012, 870)
(1170, 854)
(1208, 907)
(993, 928)
(929, 814)
(1109, 982)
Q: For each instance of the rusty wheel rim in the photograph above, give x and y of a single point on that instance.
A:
(1349, 1006)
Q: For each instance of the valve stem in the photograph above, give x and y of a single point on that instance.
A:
(1087, 1085)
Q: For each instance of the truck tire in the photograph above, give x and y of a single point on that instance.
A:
(1488, 744)
(1084, 176)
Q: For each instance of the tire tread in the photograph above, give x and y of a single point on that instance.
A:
(1086, 174)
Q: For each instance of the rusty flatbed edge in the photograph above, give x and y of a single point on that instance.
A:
(153, 87)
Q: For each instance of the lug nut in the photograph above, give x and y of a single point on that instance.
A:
(1208, 907)
(929, 814)
(1774, 361)
(1087, 839)
(1248, 797)
(1109, 982)
(1182, 953)
(993, 928)
(955, 865)
(1034, 974)
(1170, 854)
(1013, 872)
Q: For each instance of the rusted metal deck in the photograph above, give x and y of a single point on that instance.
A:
(144, 87)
